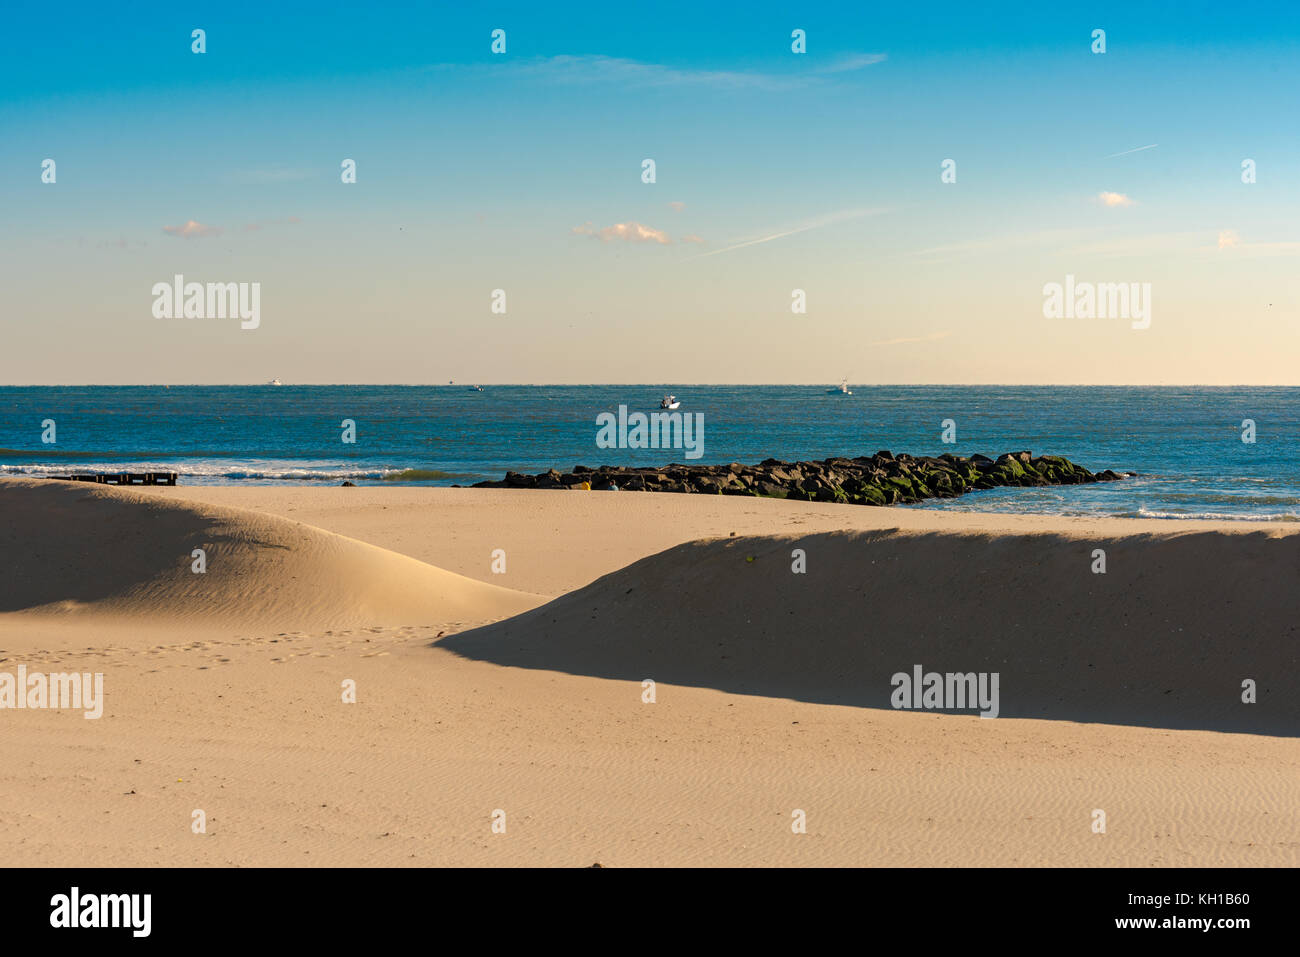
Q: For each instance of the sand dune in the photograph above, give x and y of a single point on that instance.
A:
(1164, 638)
(222, 691)
(83, 550)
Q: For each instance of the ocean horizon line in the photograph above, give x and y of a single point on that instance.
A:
(660, 384)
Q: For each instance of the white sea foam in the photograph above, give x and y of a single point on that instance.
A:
(1221, 516)
(267, 472)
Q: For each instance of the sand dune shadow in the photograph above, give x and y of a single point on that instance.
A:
(1165, 638)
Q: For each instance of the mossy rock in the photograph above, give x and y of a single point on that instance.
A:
(873, 496)
(1010, 467)
(946, 482)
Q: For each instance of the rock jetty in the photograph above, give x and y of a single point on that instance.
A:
(880, 479)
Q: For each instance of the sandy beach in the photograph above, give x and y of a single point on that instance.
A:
(521, 691)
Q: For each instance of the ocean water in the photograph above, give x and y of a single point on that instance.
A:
(1184, 443)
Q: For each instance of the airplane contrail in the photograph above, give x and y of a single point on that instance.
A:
(1126, 152)
(754, 242)
(823, 221)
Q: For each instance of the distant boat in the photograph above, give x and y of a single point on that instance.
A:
(275, 382)
(842, 389)
(476, 388)
(670, 402)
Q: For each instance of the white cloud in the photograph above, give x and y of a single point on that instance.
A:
(1228, 237)
(631, 232)
(1115, 199)
(192, 229)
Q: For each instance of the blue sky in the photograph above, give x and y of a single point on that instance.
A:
(522, 171)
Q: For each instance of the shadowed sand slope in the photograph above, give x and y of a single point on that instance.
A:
(1164, 638)
(75, 550)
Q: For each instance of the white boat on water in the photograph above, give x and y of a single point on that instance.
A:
(670, 402)
(275, 382)
(843, 389)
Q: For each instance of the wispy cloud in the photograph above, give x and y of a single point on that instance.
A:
(1081, 243)
(608, 70)
(1115, 199)
(1185, 243)
(1137, 149)
(677, 205)
(819, 222)
(691, 238)
(1228, 239)
(191, 229)
(854, 61)
(630, 232)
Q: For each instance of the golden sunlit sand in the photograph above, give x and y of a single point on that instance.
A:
(523, 691)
